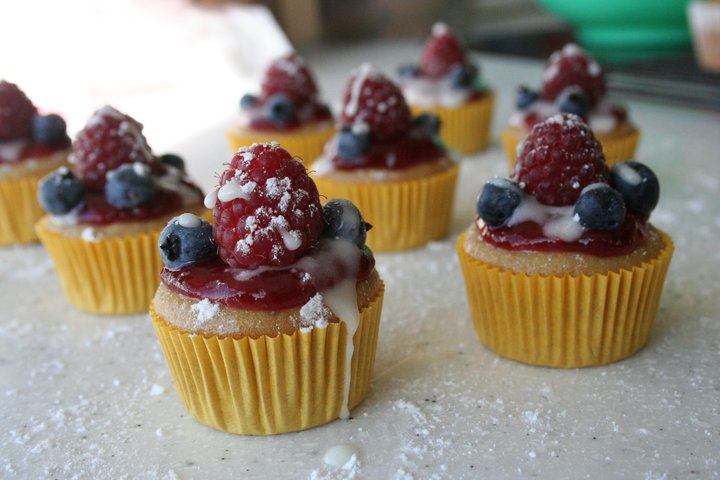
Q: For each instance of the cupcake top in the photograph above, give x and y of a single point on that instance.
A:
(288, 98)
(25, 134)
(116, 177)
(376, 129)
(445, 75)
(562, 197)
(272, 246)
(573, 82)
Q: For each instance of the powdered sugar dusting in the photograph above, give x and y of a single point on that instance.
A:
(314, 314)
(205, 311)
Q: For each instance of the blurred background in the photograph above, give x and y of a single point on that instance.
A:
(189, 57)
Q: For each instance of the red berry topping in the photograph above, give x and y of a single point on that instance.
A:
(558, 159)
(289, 76)
(267, 209)
(572, 67)
(109, 139)
(372, 99)
(16, 112)
(442, 52)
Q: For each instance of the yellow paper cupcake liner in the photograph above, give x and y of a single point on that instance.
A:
(306, 145)
(404, 214)
(116, 275)
(616, 149)
(20, 209)
(269, 385)
(465, 128)
(564, 321)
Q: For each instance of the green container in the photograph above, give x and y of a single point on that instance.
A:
(626, 29)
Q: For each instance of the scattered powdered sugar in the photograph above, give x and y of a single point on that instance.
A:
(350, 470)
(205, 310)
(314, 314)
(156, 390)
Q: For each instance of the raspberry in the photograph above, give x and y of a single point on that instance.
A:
(442, 52)
(558, 159)
(289, 76)
(16, 112)
(572, 67)
(267, 210)
(109, 139)
(372, 99)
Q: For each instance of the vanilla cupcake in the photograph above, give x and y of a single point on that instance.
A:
(574, 83)
(288, 110)
(447, 84)
(562, 266)
(269, 318)
(31, 145)
(105, 216)
(389, 164)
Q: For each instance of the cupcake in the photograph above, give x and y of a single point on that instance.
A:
(447, 83)
(288, 110)
(390, 165)
(269, 318)
(573, 83)
(562, 267)
(704, 18)
(31, 145)
(106, 213)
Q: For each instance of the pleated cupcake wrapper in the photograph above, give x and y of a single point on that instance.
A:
(616, 149)
(306, 145)
(564, 321)
(465, 128)
(404, 214)
(117, 275)
(19, 209)
(269, 385)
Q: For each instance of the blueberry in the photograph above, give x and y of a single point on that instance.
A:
(173, 160)
(280, 109)
(61, 191)
(248, 101)
(342, 219)
(573, 100)
(49, 129)
(408, 71)
(130, 185)
(463, 76)
(353, 141)
(638, 185)
(600, 207)
(524, 97)
(186, 239)
(498, 200)
(428, 124)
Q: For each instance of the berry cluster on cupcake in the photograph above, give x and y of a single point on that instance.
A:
(287, 110)
(447, 83)
(562, 266)
(106, 212)
(31, 145)
(389, 164)
(268, 318)
(573, 82)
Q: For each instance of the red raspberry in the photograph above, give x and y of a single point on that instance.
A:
(109, 139)
(267, 210)
(16, 112)
(290, 76)
(572, 67)
(442, 52)
(371, 98)
(558, 159)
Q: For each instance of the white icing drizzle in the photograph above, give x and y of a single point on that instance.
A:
(426, 92)
(356, 87)
(234, 190)
(439, 29)
(11, 150)
(141, 169)
(188, 220)
(600, 119)
(339, 455)
(211, 199)
(557, 222)
(173, 180)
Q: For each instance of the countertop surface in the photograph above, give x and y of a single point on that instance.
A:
(90, 397)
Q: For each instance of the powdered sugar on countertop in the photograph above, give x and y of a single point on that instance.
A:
(75, 388)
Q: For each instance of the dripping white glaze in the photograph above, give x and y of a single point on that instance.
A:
(339, 455)
(362, 74)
